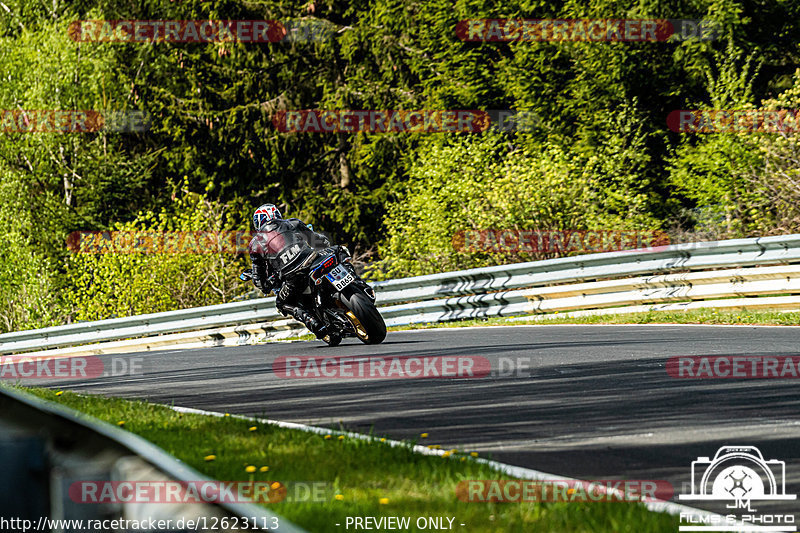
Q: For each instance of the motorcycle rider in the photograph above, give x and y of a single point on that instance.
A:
(279, 248)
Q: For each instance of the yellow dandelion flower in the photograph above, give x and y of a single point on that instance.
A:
(250, 469)
(327, 437)
(59, 393)
(253, 428)
(383, 501)
(474, 454)
(446, 454)
(121, 423)
(339, 497)
(275, 485)
(341, 437)
(263, 469)
(209, 458)
(424, 435)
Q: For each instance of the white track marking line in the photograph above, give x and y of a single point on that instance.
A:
(511, 470)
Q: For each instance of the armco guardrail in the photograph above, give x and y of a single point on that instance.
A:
(46, 448)
(502, 290)
(141, 325)
(690, 256)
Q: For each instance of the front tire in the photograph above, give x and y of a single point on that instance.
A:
(332, 339)
(365, 317)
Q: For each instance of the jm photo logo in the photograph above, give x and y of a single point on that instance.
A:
(739, 476)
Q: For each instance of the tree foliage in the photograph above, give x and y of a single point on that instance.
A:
(106, 285)
(601, 154)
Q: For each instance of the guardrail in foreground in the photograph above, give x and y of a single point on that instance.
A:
(563, 284)
(46, 447)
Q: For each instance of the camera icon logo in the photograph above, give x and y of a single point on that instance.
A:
(739, 474)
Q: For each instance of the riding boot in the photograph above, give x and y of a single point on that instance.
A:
(311, 322)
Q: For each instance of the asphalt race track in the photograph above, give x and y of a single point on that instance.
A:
(596, 403)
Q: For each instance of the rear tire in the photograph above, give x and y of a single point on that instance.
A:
(365, 317)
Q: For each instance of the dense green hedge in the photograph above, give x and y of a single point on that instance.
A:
(127, 283)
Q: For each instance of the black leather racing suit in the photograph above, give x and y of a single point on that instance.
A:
(276, 253)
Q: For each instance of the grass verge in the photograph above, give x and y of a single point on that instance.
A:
(364, 478)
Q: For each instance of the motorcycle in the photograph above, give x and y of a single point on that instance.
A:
(340, 298)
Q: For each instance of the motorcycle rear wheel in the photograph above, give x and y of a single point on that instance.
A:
(364, 316)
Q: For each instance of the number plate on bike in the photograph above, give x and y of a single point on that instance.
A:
(340, 277)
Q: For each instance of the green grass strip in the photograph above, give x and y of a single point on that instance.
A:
(363, 477)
